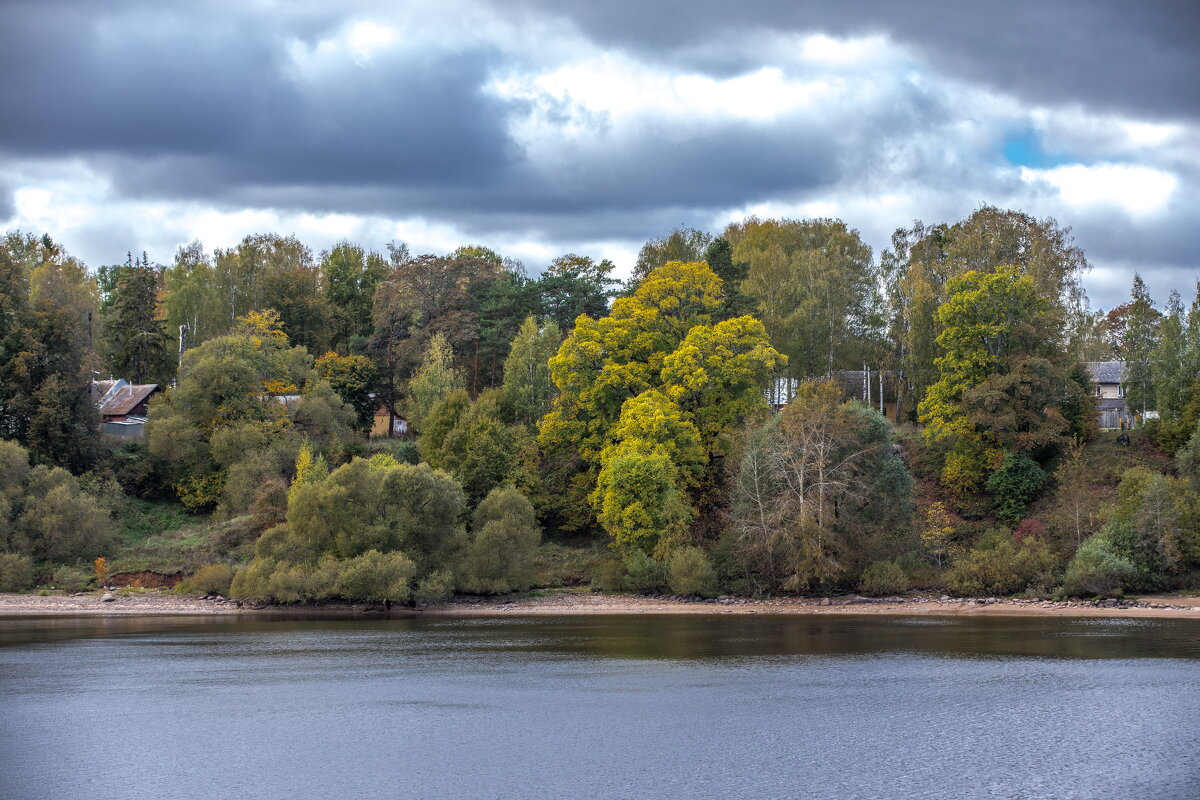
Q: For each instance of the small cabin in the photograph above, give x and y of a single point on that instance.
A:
(1108, 378)
(123, 406)
(379, 426)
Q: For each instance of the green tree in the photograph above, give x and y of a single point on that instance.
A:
(1141, 334)
(1003, 382)
(351, 275)
(362, 532)
(682, 244)
(44, 512)
(47, 354)
(304, 313)
(574, 285)
(1014, 485)
(719, 256)
(226, 409)
(191, 302)
(504, 538)
(352, 377)
(527, 384)
(434, 380)
(922, 259)
(988, 318)
(137, 345)
(472, 442)
(817, 493)
(815, 282)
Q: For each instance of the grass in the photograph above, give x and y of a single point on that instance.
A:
(556, 564)
(139, 520)
(163, 537)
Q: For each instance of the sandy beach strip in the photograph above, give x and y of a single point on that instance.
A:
(575, 602)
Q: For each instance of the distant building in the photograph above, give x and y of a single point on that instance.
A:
(123, 406)
(871, 387)
(1109, 380)
(878, 389)
(379, 426)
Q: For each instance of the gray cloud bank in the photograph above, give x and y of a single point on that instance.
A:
(243, 106)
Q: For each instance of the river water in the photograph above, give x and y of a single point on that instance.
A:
(606, 707)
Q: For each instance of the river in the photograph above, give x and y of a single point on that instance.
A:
(680, 706)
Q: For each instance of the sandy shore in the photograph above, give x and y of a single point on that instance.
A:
(584, 603)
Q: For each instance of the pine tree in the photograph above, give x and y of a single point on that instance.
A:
(136, 343)
(1140, 338)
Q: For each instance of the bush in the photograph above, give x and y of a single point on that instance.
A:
(1097, 569)
(610, 576)
(644, 575)
(72, 579)
(59, 522)
(16, 572)
(212, 579)
(965, 468)
(883, 577)
(505, 537)
(267, 579)
(1014, 485)
(689, 572)
(998, 564)
(375, 577)
(435, 587)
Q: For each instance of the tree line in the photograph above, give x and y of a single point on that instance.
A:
(574, 404)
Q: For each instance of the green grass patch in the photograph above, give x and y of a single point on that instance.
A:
(139, 520)
(202, 541)
(556, 565)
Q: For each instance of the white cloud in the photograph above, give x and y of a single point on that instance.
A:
(1137, 189)
(827, 50)
(618, 87)
(365, 37)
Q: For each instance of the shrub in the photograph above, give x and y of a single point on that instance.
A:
(610, 576)
(16, 572)
(435, 587)
(643, 574)
(1097, 569)
(59, 521)
(1014, 485)
(72, 579)
(998, 564)
(689, 572)
(883, 577)
(268, 579)
(375, 576)
(505, 537)
(212, 579)
(965, 467)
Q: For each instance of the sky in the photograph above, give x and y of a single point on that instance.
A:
(540, 128)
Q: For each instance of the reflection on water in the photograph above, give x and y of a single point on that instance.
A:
(637, 706)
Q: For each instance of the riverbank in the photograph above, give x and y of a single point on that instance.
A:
(568, 602)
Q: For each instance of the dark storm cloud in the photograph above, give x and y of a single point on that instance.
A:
(235, 105)
(1113, 55)
(223, 102)
(191, 104)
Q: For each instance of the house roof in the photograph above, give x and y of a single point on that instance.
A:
(1106, 371)
(101, 389)
(126, 398)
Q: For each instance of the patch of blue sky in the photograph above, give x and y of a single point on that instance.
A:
(1024, 149)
